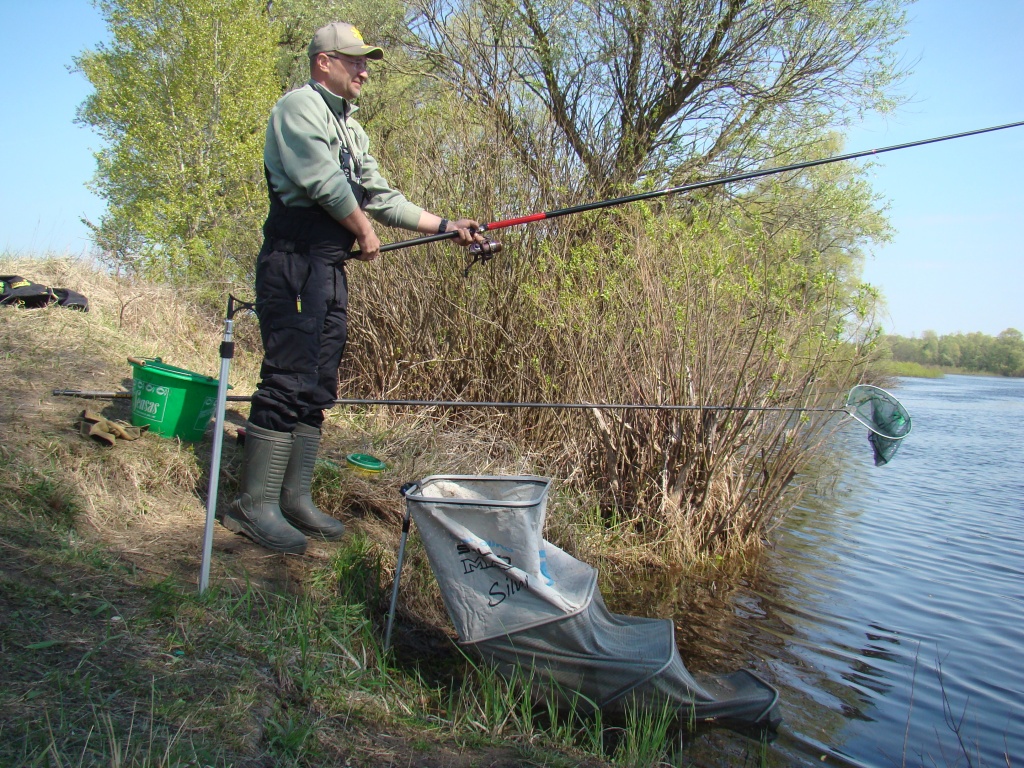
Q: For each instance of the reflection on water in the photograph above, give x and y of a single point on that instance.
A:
(890, 614)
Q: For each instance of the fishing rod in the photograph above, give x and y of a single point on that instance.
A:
(121, 394)
(124, 395)
(486, 251)
(885, 417)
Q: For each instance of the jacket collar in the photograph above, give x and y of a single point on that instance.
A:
(339, 106)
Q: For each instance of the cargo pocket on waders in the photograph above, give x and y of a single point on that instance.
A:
(292, 342)
(290, 331)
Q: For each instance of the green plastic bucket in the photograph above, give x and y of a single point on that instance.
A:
(174, 402)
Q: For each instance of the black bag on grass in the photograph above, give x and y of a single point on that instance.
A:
(18, 291)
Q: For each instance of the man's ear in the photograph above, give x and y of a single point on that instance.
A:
(319, 63)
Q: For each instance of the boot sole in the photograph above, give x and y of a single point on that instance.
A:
(245, 529)
(313, 531)
(318, 535)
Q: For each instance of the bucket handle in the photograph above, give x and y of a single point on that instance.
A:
(142, 361)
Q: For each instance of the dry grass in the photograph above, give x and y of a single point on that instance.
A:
(109, 651)
(693, 317)
(142, 503)
(142, 494)
(146, 499)
(141, 506)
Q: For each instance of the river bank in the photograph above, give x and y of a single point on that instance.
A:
(281, 662)
(111, 656)
(890, 611)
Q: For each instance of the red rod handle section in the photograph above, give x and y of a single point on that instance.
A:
(512, 222)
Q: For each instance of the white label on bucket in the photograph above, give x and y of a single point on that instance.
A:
(152, 407)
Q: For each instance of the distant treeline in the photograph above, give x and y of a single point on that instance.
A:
(1002, 355)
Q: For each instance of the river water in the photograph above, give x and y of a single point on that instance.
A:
(890, 612)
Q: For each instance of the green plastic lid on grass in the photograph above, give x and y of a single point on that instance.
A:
(366, 462)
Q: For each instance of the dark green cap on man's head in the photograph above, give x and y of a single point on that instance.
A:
(342, 37)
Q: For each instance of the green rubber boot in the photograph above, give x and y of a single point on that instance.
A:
(296, 501)
(256, 511)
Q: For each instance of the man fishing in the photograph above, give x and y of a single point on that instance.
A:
(324, 186)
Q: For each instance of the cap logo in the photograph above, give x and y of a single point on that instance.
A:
(357, 34)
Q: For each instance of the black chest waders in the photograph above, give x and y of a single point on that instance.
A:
(302, 305)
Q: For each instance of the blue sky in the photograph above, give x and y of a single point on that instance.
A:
(957, 261)
(956, 264)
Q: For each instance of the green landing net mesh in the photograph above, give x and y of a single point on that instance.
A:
(887, 420)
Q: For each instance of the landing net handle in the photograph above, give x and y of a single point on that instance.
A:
(227, 352)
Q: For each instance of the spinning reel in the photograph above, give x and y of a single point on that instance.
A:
(482, 253)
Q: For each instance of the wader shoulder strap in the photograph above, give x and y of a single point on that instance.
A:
(348, 158)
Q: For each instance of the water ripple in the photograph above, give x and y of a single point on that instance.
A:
(899, 596)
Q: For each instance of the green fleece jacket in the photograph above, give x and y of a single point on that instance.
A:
(303, 155)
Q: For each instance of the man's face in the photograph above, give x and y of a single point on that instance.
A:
(346, 74)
